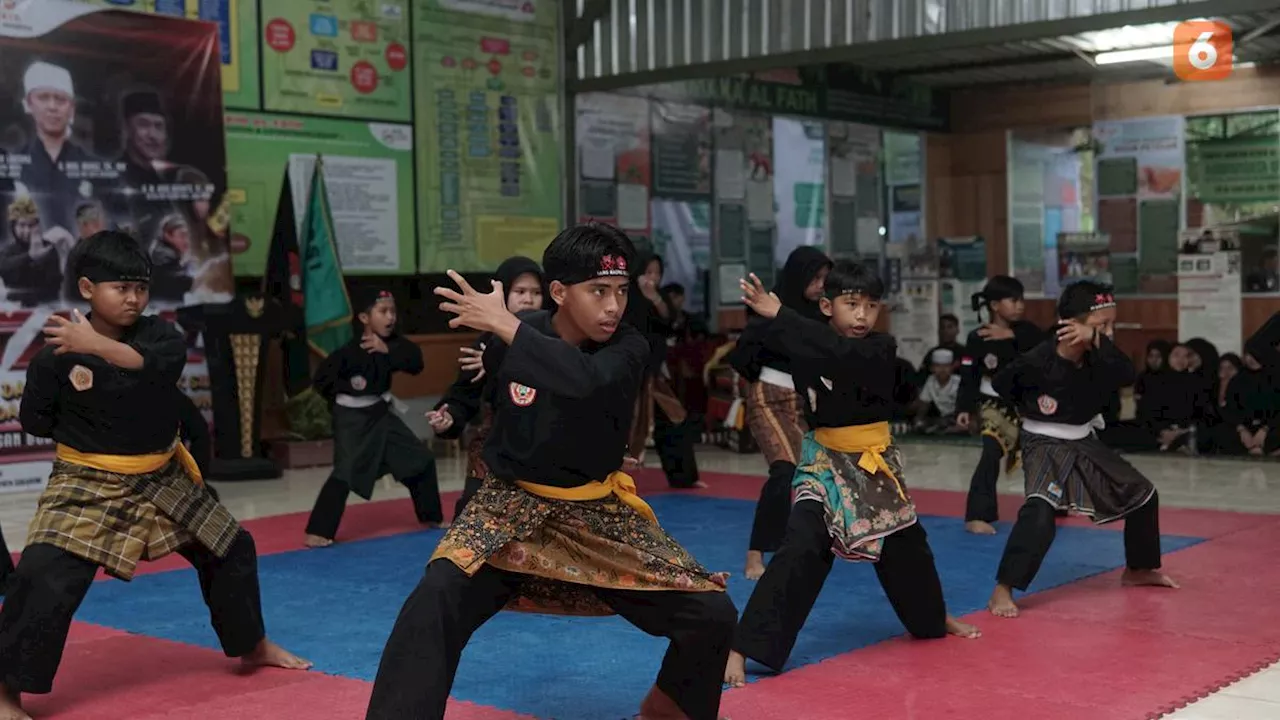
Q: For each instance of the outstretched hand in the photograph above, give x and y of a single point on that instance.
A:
(766, 304)
(486, 312)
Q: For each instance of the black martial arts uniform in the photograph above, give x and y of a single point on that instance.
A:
(122, 490)
(369, 438)
(1067, 467)
(557, 529)
(846, 384)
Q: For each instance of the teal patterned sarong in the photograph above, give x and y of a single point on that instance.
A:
(861, 509)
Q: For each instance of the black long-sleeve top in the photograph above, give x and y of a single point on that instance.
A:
(86, 403)
(751, 353)
(1251, 400)
(194, 431)
(1047, 387)
(844, 381)
(352, 370)
(983, 358)
(562, 414)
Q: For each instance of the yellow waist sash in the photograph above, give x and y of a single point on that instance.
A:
(132, 464)
(618, 483)
(869, 440)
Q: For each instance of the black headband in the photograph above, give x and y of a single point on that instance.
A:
(610, 265)
(99, 274)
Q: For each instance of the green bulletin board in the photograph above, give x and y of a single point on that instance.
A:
(369, 176)
(488, 131)
(348, 58)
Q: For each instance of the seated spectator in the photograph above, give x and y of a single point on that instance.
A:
(1250, 410)
(1174, 401)
(935, 409)
(948, 332)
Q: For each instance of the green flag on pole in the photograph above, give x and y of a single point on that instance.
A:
(326, 305)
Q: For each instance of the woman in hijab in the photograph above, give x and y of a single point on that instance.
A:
(1173, 401)
(657, 406)
(772, 404)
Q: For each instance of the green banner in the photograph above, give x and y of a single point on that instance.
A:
(1237, 170)
(369, 172)
(326, 307)
(237, 22)
(489, 126)
(348, 58)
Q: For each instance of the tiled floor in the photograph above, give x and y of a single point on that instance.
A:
(1183, 482)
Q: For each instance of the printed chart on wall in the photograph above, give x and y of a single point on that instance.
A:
(1232, 167)
(799, 185)
(368, 174)
(1139, 189)
(613, 160)
(237, 22)
(489, 128)
(348, 58)
(1209, 287)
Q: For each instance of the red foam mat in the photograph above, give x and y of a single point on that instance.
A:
(107, 675)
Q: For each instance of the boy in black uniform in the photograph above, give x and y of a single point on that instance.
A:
(471, 395)
(1060, 388)
(369, 439)
(850, 500)
(1004, 337)
(557, 528)
(123, 488)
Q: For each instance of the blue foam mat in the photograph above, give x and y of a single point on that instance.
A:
(336, 607)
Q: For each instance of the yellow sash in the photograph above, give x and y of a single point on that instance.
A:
(870, 440)
(618, 483)
(132, 464)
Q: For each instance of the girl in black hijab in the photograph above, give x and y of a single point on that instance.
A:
(772, 405)
(657, 406)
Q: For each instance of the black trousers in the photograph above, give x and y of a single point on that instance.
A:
(676, 446)
(1034, 531)
(469, 490)
(50, 583)
(773, 508)
(422, 654)
(331, 503)
(983, 502)
(785, 595)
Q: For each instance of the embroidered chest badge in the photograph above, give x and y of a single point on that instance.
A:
(81, 378)
(522, 395)
(359, 383)
(991, 361)
(1048, 405)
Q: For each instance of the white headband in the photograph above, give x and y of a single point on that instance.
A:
(43, 76)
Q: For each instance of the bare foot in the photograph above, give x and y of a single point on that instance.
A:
(1001, 602)
(755, 565)
(980, 527)
(11, 705)
(735, 672)
(269, 654)
(962, 629)
(436, 525)
(1153, 578)
(315, 541)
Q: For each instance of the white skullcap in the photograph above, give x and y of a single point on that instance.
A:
(43, 76)
(942, 356)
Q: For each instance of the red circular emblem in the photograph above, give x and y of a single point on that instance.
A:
(364, 77)
(1048, 405)
(280, 35)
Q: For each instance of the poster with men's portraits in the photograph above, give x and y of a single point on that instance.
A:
(108, 120)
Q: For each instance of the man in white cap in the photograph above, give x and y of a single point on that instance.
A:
(54, 174)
